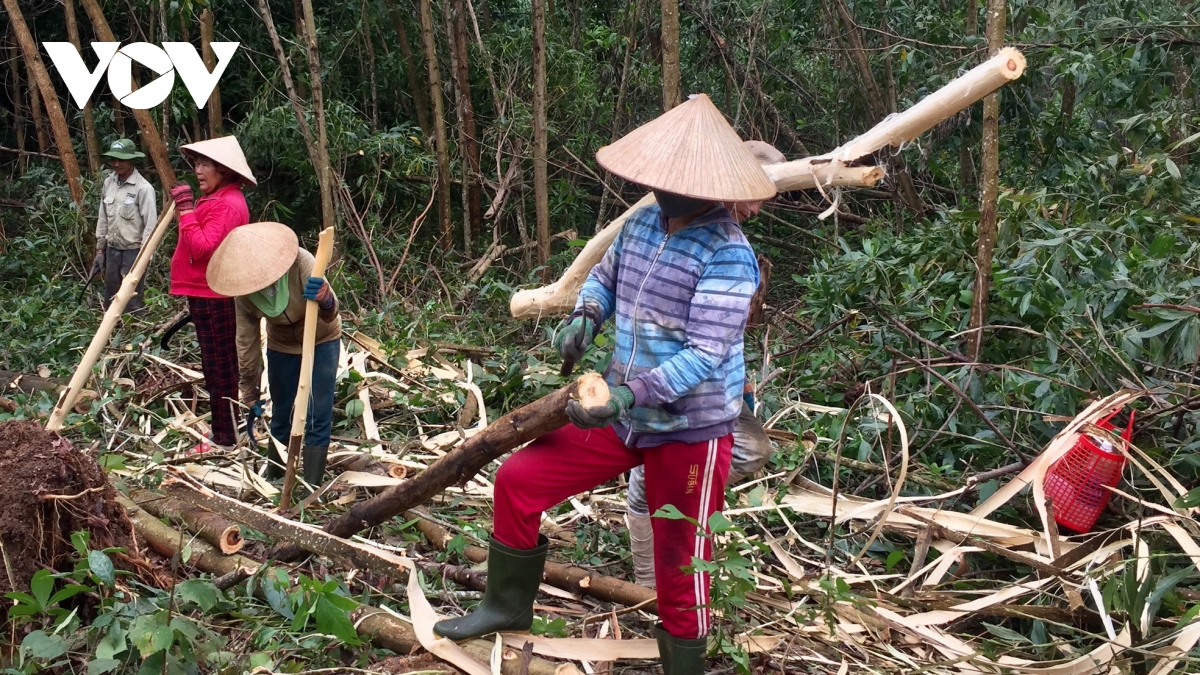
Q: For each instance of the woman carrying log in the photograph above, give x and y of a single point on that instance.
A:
(221, 170)
(263, 268)
(678, 279)
(751, 445)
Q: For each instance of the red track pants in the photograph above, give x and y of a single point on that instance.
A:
(689, 476)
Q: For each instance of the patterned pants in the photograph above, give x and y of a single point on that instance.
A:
(689, 476)
(216, 330)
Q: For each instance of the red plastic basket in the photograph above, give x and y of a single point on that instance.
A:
(1077, 482)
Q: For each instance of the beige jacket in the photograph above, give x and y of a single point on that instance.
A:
(285, 333)
(128, 212)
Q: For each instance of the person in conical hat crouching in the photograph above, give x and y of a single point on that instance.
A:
(751, 445)
(128, 214)
(263, 268)
(221, 170)
(678, 280)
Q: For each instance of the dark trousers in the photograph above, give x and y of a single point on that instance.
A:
(216, 331)
(283, 377)
(117, 263)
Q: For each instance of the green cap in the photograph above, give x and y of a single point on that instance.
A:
(123, 148)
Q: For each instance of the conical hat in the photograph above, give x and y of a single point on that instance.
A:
(251, 258)
(225, 151)
(690, 150)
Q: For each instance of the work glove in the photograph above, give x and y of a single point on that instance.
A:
(573, 336)
(97, 263)
(253, 414)
(318, 289)
(620, 399)
(748, 395)
(182, 194)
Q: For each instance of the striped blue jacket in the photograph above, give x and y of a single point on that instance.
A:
(681, 303)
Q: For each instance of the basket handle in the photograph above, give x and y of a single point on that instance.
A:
(1128, 435)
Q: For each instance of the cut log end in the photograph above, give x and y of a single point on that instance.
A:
(1014, 62)
(231, 540)
(591, 390)
(398, 471)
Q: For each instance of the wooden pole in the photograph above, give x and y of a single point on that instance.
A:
(300, 407)
(322, 166)
(115, 308)
(58, 122)
(458, 466)
(150, 136)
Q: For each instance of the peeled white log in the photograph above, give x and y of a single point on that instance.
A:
(828, 170)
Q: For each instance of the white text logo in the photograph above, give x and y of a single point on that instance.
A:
(172, 57)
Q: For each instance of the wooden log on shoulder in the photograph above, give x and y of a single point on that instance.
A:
(210, 527)
(828, 170)
(559, 297)
(459, 465)
(381, 627)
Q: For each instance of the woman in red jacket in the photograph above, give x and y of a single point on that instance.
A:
(221, 170)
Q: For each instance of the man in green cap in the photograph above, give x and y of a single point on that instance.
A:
(128, 214)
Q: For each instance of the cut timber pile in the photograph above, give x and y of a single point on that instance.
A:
(214, 529)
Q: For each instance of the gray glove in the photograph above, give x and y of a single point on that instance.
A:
(97, 263)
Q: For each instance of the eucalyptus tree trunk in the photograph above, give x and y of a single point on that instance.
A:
(35, 110)
(215, 128)
(541, 190)
(322, 167)
(453, 14)
(17, 96)
(150, 137)
(58, 123)
(990, 185)
(670, 53)
(91, 141)
(416, 86)
(428, 39)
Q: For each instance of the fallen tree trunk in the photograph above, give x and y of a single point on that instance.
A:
(357, 555)
(828, 170)
(566, 577)
(458, 466)
(212, 528)
(383, 628)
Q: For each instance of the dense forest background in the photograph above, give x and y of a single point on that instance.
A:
(1093, 279)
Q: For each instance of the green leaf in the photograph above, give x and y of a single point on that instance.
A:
(261, 660)
(200, 592)
(101, 666)
(718, 523)
(112, 644)
(1005, 633)
(1162, 244)
(1171, 168)
(276, 595)
(112, 462)
(334, 621)
(354, 408)
(670, 513)
(68, 591)
(160, 639)
(42, 585)
(38, 645)
(80, 541)
(101, 565)
(894, 558)
(1190, 500)
(186, 554)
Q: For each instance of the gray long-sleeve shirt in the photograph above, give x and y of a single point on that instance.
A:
(128, 212)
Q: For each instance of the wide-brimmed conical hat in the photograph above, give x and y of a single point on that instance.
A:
(225, 151)
(251, 258)
(689, 150)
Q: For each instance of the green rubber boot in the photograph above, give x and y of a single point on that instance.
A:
(275, 468)
(314, 464)
(680, 656)
(513, 579)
